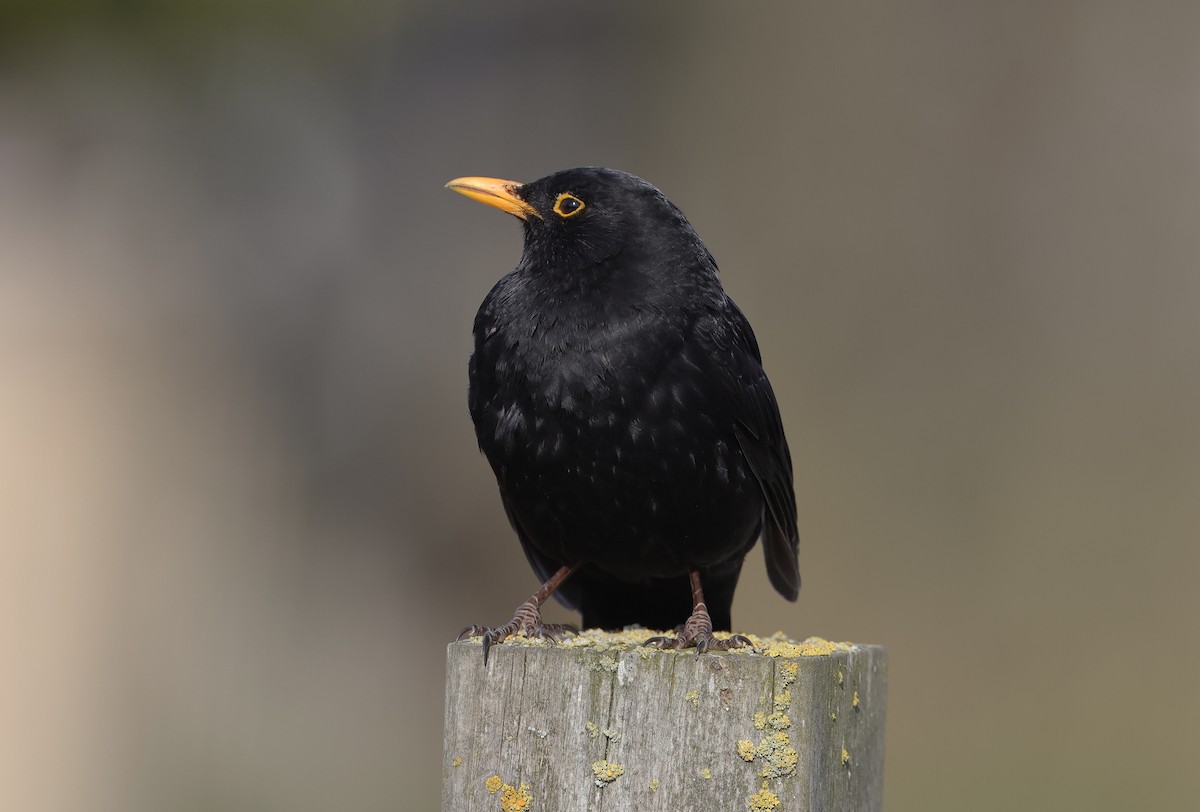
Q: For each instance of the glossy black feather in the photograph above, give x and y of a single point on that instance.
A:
(619, 396)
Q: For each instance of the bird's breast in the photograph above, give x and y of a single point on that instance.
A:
(602, 446)
(622, 394)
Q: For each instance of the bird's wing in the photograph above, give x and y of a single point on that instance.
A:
(732, 350)
(569, 593)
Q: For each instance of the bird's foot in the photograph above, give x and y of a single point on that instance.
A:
(527, 621)
(698, 632)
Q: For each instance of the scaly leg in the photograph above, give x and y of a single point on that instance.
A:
(698, 630)
(528, 617)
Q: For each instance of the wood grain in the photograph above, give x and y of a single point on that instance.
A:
(593, 726)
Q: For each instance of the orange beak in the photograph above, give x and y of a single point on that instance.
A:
(495, 192)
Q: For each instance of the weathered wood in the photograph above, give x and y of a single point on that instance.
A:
(601, 724)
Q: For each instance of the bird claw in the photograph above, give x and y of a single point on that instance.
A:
(526, 621)
(698, 632)
(703, 642)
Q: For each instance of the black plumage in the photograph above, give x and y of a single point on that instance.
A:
(619, 395)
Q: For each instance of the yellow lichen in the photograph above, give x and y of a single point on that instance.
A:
(605, 663)
(515, 799)
(777, 645)
(776, 756)
(781, 762)
(692, 696)
(457, 762)
(841, 678)
(774, 753)
(763, 801)
(606, 772)
(845, 757)
(785, 764)
(780, 645)
(592, 729)
(855, 702)
(512, 799)
(706, 774)
(654, 785)
(788, 672)
(833, 716)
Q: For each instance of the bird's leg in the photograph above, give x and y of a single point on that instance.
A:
(527, 620)
(698, 630)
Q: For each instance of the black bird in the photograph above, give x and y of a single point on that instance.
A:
(619, 395)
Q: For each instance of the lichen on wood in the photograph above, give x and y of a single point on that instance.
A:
(600, 719)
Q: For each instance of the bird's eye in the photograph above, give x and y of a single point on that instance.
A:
(567, 205)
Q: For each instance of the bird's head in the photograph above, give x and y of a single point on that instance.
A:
(579, 218)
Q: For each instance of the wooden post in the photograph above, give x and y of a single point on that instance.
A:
(599, 722)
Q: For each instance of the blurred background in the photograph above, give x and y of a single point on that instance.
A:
(241, 507)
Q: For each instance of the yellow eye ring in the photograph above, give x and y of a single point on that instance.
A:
(568, 205)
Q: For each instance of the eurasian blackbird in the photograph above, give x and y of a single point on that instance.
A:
(619, 395)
